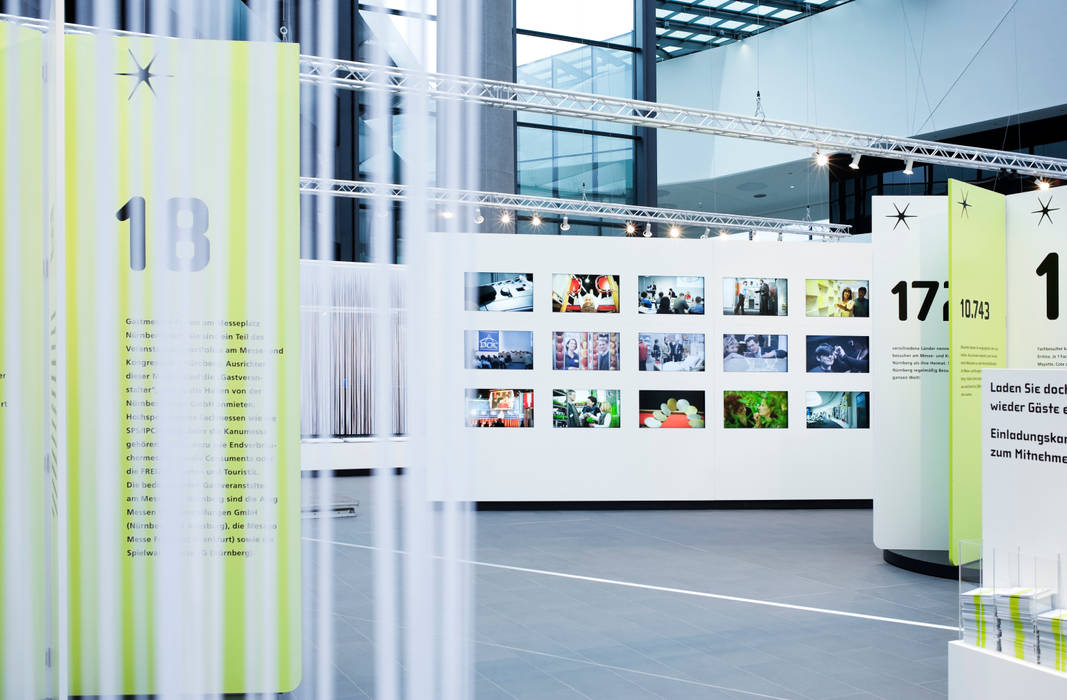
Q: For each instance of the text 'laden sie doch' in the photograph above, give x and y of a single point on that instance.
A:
(1040, 403)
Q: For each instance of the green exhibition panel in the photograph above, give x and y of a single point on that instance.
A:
(180, 318)
(977, 317)
(23, 549)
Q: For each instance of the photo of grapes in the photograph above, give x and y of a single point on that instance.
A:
(755, 409)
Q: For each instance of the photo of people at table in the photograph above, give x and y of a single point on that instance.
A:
(585, 408)
(585, 293)
(670, 352)
(499, 349)
(755, 296)
(499, 291)
(591, 350)
(755, 353)
(839, 353)
(839, 409)
(670, 295)
(671, 409)
(837, 298)
(500, 408)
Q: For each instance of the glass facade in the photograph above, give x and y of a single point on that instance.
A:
(592, 48)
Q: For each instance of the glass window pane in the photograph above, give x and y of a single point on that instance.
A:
(561, 164)
(598, 20)
(565, 65)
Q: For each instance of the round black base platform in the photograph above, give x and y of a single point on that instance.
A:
(932, 562)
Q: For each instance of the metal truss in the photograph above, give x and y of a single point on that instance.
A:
(442, 197)
(353, 75)
(362, 76)
(530, 98)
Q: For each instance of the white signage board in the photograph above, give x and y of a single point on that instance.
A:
(1024, 461)
(910, 348)
(1036, 258)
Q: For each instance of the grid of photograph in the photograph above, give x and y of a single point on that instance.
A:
(596, 350)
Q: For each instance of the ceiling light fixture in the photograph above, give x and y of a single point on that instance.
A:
(750, 235)
(447, 214)
(821, 159)
(674, 231)
(478, 218)
(565, 226)
(707, 232)
(779, 236)
(1042, 185)
(536, 220)
(648, 230)
(630, 228)
(855, 164)
(909, 167)
(505, 218)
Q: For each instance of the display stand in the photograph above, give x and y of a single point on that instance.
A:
(975, 673)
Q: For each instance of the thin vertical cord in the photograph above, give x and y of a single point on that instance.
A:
(57, 98)
(382, 302)
(325, 115)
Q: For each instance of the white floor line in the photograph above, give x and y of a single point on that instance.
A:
(680, 591)
(633, 670)
(546, 522)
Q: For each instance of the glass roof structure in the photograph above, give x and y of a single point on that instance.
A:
(687, 26)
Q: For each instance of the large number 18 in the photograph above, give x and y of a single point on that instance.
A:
(187, 222)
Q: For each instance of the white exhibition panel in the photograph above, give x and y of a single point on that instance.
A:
(1037, 239)
(910, 461)
(978, 674)
(543, 463)
(1024, 463)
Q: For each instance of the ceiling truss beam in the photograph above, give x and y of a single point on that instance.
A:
(363, 76)
(518, 203)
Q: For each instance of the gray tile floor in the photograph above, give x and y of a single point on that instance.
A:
(543, 636)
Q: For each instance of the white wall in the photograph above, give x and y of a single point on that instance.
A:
(544, 463)
(870, 65)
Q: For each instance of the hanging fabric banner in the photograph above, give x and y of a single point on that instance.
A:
(977, 317)
(182, 371)
(23, 622)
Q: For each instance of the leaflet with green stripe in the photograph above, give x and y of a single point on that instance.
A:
(1017, 625)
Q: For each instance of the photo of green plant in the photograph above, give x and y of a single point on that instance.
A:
(755, 409)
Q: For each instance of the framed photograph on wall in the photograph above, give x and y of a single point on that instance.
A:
(670, 294)
(574, 293)
(499, 291)
(585, 408)
(755, 353)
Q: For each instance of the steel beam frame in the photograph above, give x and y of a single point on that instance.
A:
(446, 198)
(363, 76)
